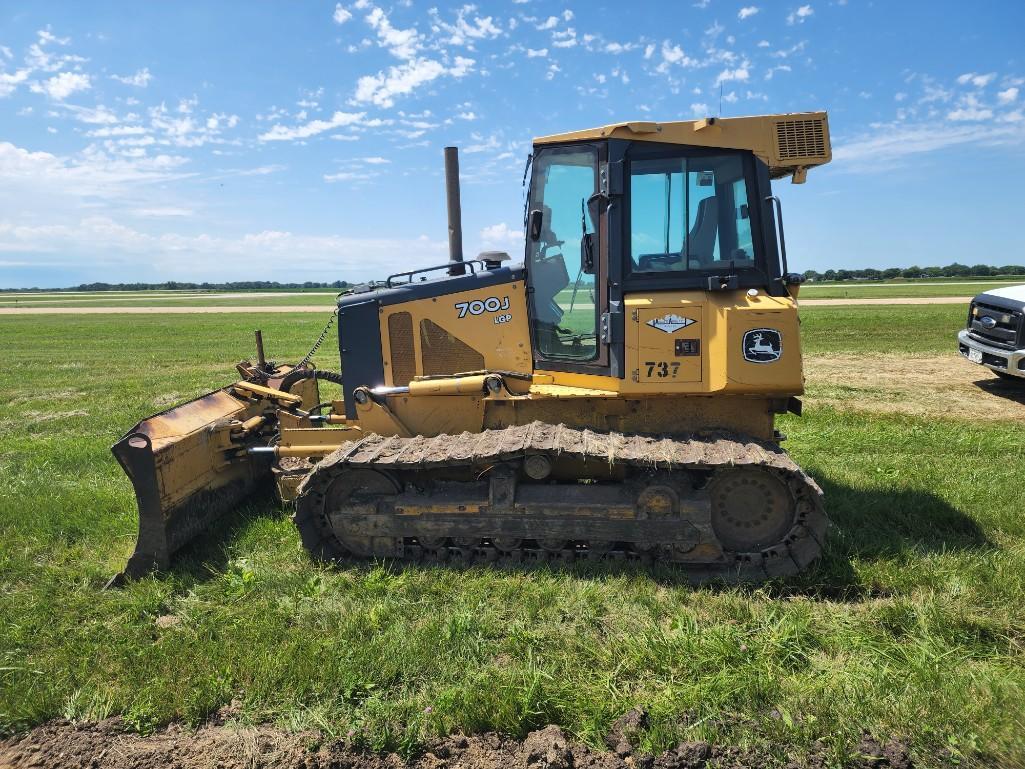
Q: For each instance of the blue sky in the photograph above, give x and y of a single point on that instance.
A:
(302, 141)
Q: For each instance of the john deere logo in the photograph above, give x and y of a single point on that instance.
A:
(671, 323)
(763, 345)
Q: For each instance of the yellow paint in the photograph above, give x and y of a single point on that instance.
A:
(770, 137)
(501, 336)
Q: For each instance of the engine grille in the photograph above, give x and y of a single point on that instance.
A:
(1007, 331)
(400, 339)
(444, 353)
(801, 139)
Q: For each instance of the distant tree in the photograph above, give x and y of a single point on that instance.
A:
(891, 273)
(981, 270)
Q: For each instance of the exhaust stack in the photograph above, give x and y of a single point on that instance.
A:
(455, 213)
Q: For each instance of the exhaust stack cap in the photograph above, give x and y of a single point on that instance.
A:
(493, 259)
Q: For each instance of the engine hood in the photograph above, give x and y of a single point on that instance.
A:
(1012, 293)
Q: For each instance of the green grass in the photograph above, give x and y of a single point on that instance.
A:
(911, 626)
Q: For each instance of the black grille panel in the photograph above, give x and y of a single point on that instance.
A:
(801, 139)
(1006, 331)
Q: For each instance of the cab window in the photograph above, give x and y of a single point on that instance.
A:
(689, 214)
(565, 317)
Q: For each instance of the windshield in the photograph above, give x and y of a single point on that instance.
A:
(689, 214)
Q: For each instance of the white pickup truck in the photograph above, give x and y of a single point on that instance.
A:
(994, 336)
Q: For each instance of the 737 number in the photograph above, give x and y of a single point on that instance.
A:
(662, 369)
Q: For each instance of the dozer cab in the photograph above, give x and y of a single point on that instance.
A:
(611, 397)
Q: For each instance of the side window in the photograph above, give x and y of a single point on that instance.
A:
(565, 305)
(689, 214)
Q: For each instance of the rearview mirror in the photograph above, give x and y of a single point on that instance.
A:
(536, 217)
(587, 254)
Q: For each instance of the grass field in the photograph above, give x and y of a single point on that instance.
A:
(911, 626)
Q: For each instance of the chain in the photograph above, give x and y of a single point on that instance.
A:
(318, 343)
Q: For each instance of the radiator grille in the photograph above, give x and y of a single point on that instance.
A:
(801, 139)
(400, 339)
(444, 353)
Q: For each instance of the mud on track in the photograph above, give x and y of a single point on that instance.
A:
(108, 745)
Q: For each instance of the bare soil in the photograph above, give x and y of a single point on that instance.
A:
(940, 386)
(109, 745)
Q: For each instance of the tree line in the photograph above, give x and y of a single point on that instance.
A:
(954, 270)
(174, 285)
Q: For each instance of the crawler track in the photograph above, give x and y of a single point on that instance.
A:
(720, 506)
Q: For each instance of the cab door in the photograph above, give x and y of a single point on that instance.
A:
(568, 289)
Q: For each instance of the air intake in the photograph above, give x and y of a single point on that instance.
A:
(400, 339)
(801, 139)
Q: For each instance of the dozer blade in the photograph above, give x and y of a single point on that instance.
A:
(189, 465)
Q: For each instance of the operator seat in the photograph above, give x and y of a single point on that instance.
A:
(701, 238)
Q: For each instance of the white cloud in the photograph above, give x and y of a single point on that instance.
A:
(740, 74)
(376, 160)
(140, 79)
(979, 81)
(1008, 96)
(382, 88)
(92, 173)
(700, 109)
(501, 235)
(747, 11)
(896, 142)
(163, 211)
(349, 176)
(534, 53)
(340, 16)
(401, 43)
(970, 113)
(674, 55)
(465, 31)
(649, 49)
(314, 127)
(550, 23)
(121, 130)
(61, 86)
(798, 16)
(615, 48)
(482, 144)
(106, 247)
(9, 81)
(470, 115)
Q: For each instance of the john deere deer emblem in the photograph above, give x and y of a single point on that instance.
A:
(763, 345)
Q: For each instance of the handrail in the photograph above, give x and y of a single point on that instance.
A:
(388, 283)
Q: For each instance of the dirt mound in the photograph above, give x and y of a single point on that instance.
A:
(110, 745)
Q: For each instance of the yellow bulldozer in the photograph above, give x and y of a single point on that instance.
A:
(495, 411)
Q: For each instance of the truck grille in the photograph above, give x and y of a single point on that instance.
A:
(1007, 327)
